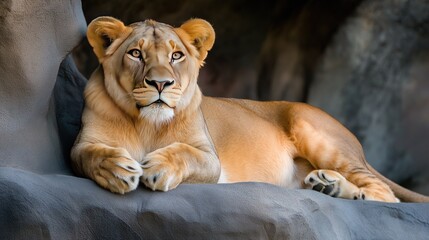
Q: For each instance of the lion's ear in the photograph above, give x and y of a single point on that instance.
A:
(103, 32)
(201, 35)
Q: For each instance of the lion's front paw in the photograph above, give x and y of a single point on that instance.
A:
(118, 174)
(161, 173)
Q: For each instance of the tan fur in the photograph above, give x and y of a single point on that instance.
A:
(145, 118)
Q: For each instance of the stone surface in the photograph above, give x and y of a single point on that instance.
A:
(69, 104)
(36, 36)
(65, 207)
(373, 78)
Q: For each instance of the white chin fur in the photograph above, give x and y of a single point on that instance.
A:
(157, 114)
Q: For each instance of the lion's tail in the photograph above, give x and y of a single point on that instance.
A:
(402, 193)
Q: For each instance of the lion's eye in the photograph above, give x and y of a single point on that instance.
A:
(177, 56)
(135, 53)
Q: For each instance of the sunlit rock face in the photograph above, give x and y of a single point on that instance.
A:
(35, 38)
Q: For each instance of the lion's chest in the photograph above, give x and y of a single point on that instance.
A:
(150, 138)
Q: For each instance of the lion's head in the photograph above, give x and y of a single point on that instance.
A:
(150, 69)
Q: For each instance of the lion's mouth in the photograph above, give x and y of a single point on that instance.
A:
(158, 102)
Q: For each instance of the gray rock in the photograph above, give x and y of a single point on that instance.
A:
(36, 36)
(373, 79)
(65, 207)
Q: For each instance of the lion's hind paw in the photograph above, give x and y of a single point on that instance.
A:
(333, 184)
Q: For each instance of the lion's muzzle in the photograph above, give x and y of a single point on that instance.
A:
(157, 93)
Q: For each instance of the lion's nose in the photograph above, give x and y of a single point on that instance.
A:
(159, 84)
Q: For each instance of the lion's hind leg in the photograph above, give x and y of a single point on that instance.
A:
(336, 154)
(333, 184)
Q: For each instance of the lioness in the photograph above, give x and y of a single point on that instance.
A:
(146, 120)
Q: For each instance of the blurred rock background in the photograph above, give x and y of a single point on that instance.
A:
(365, 62)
